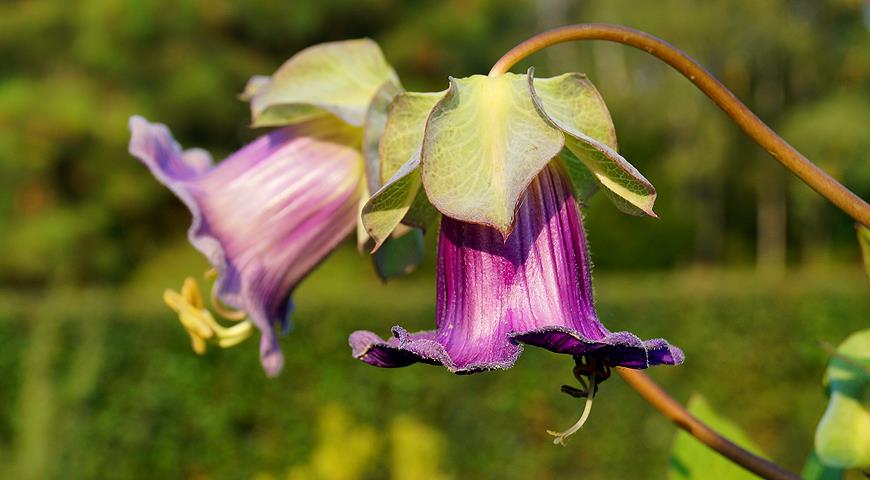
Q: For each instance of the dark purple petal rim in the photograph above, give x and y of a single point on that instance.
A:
(403, 350)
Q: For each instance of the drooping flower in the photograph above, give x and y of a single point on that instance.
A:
(494, 294)
(265, 216)
(271, 212)
(506, 160)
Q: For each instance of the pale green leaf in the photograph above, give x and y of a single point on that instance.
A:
(843, 434)
(692, 460)
(340, 78)
(484, 143)
(572, 104)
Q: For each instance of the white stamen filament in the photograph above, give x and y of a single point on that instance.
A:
(561, 436)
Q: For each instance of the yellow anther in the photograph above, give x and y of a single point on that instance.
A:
(190, 292)
(199, 322)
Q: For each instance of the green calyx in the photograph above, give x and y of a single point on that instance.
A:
(472, 150)
(338, 78)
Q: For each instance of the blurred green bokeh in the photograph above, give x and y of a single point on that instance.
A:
(745, 270)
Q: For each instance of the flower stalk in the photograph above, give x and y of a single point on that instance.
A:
(676, 413)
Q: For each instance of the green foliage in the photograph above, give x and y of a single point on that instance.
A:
(692, 460)
(343, 451)
(843, 435)
(814, 469)
(131, 400)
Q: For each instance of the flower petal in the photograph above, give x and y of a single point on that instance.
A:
(337, 77)
(265, 216)
(534, 287)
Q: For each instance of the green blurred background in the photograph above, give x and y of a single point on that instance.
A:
(747, 269)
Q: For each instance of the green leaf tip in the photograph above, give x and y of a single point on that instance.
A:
(338, 78)
(842, 437)
(692, 460)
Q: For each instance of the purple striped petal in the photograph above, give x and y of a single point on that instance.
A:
(265, 216)
(533, 288)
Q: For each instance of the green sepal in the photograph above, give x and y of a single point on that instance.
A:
(484, 143)
(400, 197)
(400, 254)
(583, 182)
(338, 78)
(386, 208)
(422, 213)
(404, 129)
(571, 103)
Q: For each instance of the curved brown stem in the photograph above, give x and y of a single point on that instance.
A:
(676, 413)
(787, 155)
